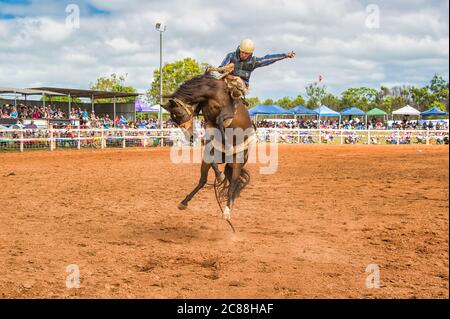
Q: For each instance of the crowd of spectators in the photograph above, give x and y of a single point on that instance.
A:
(77, 115)
(89, 119)
(23, 111)
(353, 124)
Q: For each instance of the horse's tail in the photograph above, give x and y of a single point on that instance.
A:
(244, 180)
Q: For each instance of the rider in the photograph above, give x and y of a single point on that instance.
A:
(242, 63)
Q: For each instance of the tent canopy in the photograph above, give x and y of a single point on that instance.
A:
(155, 109)
(88, 93)
(407, 110)
(350, 111)
(326, 111)
(28, 91)
(434, 111)
(301, 110)
(376, 112)
(268, 110)
(143, 107)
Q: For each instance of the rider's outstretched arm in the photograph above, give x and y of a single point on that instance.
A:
(270, 59)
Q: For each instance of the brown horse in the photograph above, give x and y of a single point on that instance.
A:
(211, 97)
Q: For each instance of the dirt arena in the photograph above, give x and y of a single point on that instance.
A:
(308, 231)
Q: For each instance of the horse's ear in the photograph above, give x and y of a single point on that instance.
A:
(166, 107)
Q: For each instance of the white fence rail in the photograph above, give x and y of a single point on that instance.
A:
(28, 139)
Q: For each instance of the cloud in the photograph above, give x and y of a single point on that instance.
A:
(330, 38)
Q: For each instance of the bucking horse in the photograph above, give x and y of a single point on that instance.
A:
(228, 144)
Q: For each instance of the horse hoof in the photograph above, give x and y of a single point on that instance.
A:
(182, 206)
(227, 213)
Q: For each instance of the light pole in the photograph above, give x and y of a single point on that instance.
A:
(161, 28)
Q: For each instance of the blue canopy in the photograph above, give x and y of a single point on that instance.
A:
(350, 111)
(301, 110)
(434, 111)
(268, 110)
(326, 111)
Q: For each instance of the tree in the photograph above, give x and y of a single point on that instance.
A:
(398, 102)
(439, 89)
(284, 102)
(421, 98)
(299, 100)
(113, 83)
(315, 93)
(175, 74)
(363, 97)
(332, 101)
(253, 101)
(386, 104)
(288, 103)
(268, 102)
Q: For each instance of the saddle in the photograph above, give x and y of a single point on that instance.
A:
(236, 87)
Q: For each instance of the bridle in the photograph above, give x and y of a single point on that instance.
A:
(188, 109)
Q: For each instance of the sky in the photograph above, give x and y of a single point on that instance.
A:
(351, 43)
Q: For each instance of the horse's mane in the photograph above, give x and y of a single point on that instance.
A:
(192, 90)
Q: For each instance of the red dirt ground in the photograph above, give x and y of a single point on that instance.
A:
(308, 231)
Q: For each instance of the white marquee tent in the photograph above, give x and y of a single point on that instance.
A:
(407, 110)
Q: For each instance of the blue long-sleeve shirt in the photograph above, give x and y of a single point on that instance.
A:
(259, 61)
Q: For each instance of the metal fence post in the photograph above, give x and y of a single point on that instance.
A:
(368, 136)
(398, 136)
(320, 135)
(428, 136)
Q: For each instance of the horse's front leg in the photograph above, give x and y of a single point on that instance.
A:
(220, 176)
(203, 179)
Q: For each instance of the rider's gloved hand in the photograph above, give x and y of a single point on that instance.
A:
(290, 54)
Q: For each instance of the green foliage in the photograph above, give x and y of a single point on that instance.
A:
(113, 83)
(316, 93)
(175, 74)
(268, 102)
(332, 102)
(312, 103)
(253, 101)
(62, 99)
(288, 103)
(299, 100)
(363, 98)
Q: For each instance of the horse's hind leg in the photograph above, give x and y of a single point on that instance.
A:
(232, 191)
(203, 179)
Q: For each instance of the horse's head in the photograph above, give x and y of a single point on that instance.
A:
(182, 114)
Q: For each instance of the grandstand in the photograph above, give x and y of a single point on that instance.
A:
(47, 94)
